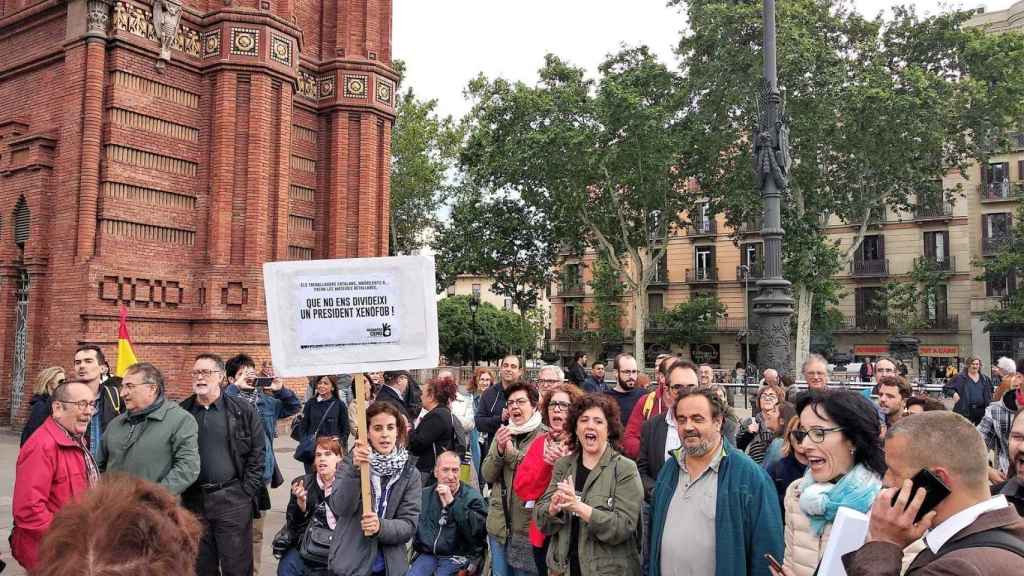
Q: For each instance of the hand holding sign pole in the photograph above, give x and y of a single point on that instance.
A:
(352, 316)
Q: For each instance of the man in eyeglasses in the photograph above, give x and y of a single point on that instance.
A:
(154, 438)
(659, 435)
(231, 460)
(626, 392)
(54, 467)
(548, 377)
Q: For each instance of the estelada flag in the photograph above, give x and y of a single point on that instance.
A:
(125, 354)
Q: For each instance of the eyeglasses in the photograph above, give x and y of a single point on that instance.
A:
(677, 388)
(518, 402)
(82, 405)
(559, 405)
(548, 381)
(203, 373)
(131, 387)
(817, 435)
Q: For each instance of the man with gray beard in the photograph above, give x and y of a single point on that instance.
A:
(712, 497)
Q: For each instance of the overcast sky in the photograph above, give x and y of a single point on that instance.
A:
(445, 43)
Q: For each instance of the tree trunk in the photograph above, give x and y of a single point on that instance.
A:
(639, 323)
(802, 343)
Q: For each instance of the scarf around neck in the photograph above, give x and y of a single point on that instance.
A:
(92, 471)
(388, 464)
(529, 426)
(138, 416)
(820, 501)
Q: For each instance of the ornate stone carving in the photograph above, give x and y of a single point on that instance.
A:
(97, 16)
(384, 91)
(120, 16)
(281, 50)
(211, 44)
(245, 42)
(307, 85)
(326, 86)
(166, 14)
(355, 86)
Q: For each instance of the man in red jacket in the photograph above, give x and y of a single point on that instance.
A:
(54, 467)
(652, 404)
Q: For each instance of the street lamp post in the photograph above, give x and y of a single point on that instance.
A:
(745, 269)
(773, 304)
(474, 303)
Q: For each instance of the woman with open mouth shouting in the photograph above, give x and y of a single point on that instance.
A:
(839, 434)
(508, 518)
(375, 543)
(534, 473)
(591, 508)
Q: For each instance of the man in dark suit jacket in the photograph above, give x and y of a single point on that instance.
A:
(659, 434)
(397, 389)
(577, 374)
(963, 531)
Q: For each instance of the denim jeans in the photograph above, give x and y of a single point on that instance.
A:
(291, 564)
(428, 565)
(499, 565)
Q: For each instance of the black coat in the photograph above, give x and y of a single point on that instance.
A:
(39, 410)
(296, 519)
(247, 442)
(388, 394)
(651, 458)
(488, 415)
(577, 375)
(335, 423)
(435, 434)
(960, 384)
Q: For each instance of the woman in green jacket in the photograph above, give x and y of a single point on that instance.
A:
(591, 508)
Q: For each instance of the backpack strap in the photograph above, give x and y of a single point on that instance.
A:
(992, 538)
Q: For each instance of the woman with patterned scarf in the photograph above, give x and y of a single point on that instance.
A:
(508, 517)
(375, 543)
(839, 432)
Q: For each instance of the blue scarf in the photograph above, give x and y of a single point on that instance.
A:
(820, 501)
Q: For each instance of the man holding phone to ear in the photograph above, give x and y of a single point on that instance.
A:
(967, 533)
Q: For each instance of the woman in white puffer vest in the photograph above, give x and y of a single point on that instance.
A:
(840, 434)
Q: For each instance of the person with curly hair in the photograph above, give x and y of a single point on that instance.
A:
(435, 432)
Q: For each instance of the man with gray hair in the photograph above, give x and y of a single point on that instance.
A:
(153, 438)
(1006, 366)
(967, 532)
(815, 370)
(548, 377)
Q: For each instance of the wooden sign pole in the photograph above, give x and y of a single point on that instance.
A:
(364, 469)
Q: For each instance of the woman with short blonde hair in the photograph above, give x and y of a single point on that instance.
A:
(46, 382)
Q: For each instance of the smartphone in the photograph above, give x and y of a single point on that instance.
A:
(262, 382)
(774, 563)
(935, 492)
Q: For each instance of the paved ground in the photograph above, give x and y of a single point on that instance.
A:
(283, 446)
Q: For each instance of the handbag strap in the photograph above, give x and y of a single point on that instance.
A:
(323, 417)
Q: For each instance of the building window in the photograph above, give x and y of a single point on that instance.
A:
(451, 290)
(655, 303)
(1000, 286)
(870, 308)
(476, 290)
(873, 248)
(704, 262)
(995, 230)
(660, 265)
(508, 304)
(936, 246)
(571, 318)
(937, 304)
(995, 180)
(753, 258)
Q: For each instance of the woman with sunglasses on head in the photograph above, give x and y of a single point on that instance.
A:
(534, 472)
(839, 434)
(791, 466)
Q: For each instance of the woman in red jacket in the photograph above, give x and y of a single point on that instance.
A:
(534, 472)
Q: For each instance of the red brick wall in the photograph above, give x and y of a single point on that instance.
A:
(165, 187)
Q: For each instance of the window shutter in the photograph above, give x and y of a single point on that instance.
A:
(22, 221)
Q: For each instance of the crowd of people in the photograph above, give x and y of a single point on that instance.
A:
(563, 474)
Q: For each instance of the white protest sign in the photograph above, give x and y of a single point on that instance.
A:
(352, 315)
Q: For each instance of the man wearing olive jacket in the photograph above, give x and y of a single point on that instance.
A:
(154, 438)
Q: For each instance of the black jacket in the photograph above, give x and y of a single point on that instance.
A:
(465, 527)
(39, 410)
(296, 519)
(488, 416)
(960, 384)
(247, 443)
(434, 435)
(577, 375)
(335, 423)
(652, 451)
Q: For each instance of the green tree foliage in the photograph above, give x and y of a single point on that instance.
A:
(606, 311)
(880, 110)
(1007, 262)
(423, 150)
(497, 236)
(497, 332)
(599, 158)
(902, 308)
(689, 322)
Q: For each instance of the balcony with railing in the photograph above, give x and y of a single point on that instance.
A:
(869, 268)
(874, 322)
(702, 276)
(1000, 191)
(702, 228)
(991, 245)
(753, 272)
(931, 263)
(933, 211)
(571, 287)
(656, 325)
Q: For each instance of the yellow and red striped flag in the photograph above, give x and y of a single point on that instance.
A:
(125, 354)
